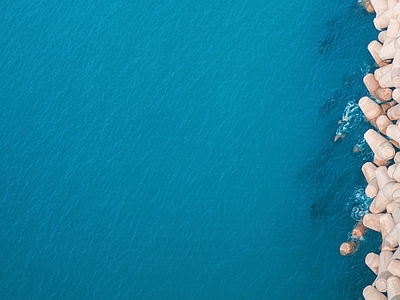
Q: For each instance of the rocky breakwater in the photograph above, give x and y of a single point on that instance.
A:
(381, 108)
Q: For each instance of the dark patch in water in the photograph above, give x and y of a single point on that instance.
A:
(331, 201)
(327, 43)
(315, 169)
(329, 106)
(319, 207)
(331, 37)
(337, 33)
(351, 79)
(359, 275)
(352, 87)
(325, 154)
(358, 10)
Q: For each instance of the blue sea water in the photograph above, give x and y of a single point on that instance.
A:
(182, 150)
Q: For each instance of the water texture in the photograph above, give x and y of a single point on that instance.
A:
(182, 150)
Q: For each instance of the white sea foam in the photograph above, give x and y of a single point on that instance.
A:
(358, 203)
(366, 68)
(362, 148)
(351, 118)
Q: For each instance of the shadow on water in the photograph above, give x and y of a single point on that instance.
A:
(332, 195)
(336, 33)
(333, 173)
(353, 282)
(330, 105)
(331, 177)
(351, 88)
(324, 205)
(326, 43)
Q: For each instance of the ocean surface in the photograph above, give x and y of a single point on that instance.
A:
(182, 149)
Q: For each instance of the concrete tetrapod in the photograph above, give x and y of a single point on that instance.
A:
(379, 6)
(383, 273)
(389, 48)
(396, 68)
(396, 215)
(393, 113)
(359, 230)
(396, 196)
(372, 261)
(368, 6)
(382, 21)
(381, 147)
(387, 105)
(387, 224)
(368, 169)
(371, 293)
(392, 206)
(393, 288)
(371, 221)
(370, 109)
(374, 49)
(392, 29)
(396, 95)
(378, 73)
(379, 203)
(382, 122)
(392, 170)
(385, 79)
(371, 190)
(382, 36)
(373, 87)
(396, 254)
(389, 189)
(383, 174)
(349, 247)
(384, 76)
(392, 239)
(393, 131)
(394, 267)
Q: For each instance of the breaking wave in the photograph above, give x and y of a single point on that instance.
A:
(358, 203)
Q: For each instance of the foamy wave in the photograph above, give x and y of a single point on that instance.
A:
(359, 203)
(360, 146)
(366, 68)
(351, 118)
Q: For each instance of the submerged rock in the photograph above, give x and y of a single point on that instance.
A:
(339, 136)
(328, 107)
(367, 5)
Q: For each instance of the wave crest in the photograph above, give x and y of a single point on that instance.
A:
(358, 203)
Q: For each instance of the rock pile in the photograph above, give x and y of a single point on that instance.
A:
(382, 175)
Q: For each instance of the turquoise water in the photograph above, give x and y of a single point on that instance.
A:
(182, 150)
